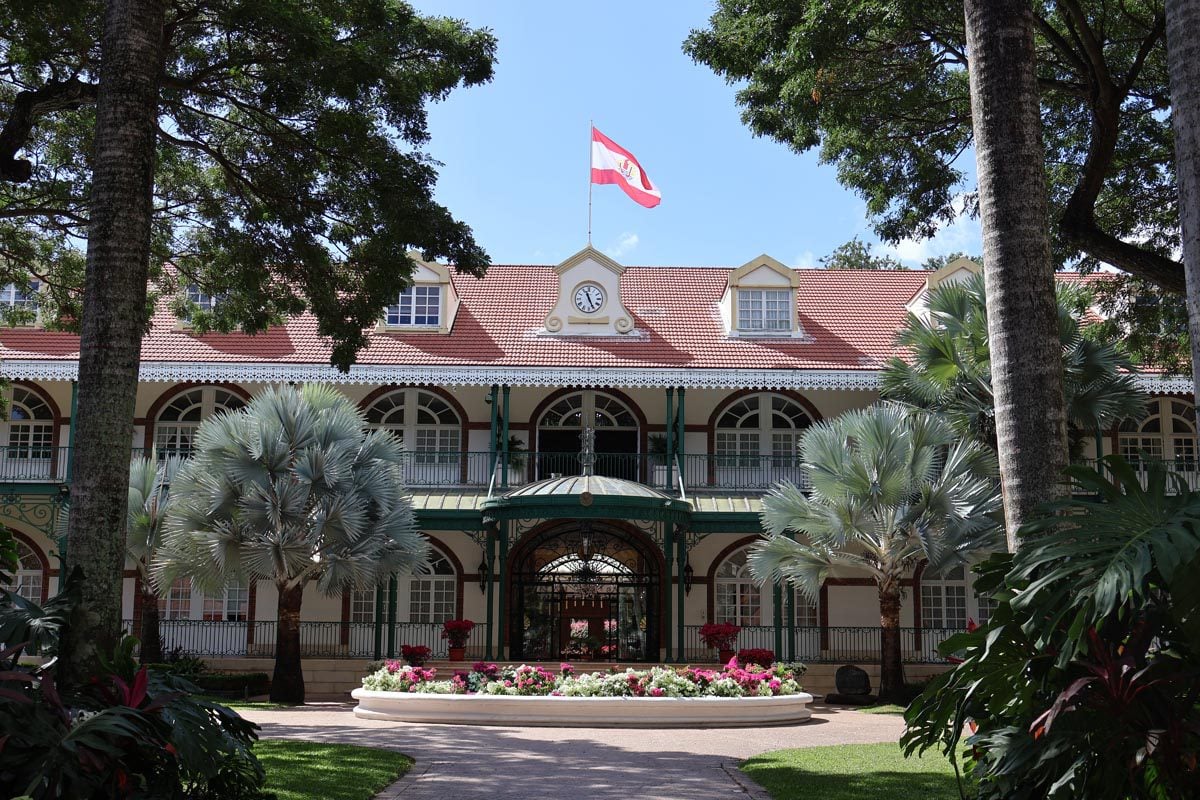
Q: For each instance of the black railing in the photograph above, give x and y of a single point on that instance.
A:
(256, 639)
(832, 644)
(31, 464)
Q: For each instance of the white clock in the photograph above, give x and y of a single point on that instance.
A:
(589, 298)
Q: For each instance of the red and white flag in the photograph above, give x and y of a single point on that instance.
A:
(612, 163)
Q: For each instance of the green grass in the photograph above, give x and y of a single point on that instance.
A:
(304, 770)
(882, 708)
(852, 772)
(243, 705)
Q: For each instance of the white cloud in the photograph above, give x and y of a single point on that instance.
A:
(625, 244)
(805, 260)
(961, 236)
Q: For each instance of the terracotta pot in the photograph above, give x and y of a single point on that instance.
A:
(458, 654)
(725, 655)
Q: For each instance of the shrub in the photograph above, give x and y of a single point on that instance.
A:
(719, 635)
(756, 655)
(234, 684)
(415, 654)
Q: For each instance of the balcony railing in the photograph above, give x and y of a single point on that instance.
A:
(256, 639)
(833, 644)
(700, 472)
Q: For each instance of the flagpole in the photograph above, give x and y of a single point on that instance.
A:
(591, 128)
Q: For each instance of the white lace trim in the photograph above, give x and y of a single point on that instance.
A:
(174, 372)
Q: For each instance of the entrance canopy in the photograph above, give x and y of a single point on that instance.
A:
(587, 496)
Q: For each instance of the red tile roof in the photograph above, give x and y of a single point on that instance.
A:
(850, 318)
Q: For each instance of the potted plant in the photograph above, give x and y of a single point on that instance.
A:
(517, 458)
(660, 471)
(720, 636)
(456, 632)
(415, 654)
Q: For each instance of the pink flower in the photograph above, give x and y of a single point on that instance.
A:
(656, 692)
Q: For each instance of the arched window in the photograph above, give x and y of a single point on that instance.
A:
(29, 445)
(737, 599)
(428, 426)
(29, 577)
(616, 431)
(184, 601)
(758, 441)
(175, 427)
(427, 598)
(1167, 432)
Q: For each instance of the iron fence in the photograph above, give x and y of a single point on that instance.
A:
(256, 639)
(832, 644)
(31, 463)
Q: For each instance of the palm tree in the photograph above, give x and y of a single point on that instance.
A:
(292, 489)
(1031, 422)
(149, 482)
(891, 487)
(949, 368)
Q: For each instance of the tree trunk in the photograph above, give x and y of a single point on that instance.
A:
(287, 684)
(1026, 357)
(114, 316)
(151, 649)
(1183, 57)
(891, 665)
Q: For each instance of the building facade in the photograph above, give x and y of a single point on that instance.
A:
(588, 449)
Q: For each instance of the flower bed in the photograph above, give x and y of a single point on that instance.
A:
(532, 695)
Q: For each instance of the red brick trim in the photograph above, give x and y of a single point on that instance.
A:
(711, 576)
(171, 393)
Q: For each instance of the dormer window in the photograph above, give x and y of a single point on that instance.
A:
(764, 310)
(201, 299)
(17, 298)
(417, 306)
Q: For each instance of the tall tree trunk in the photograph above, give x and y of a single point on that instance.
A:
(287, 684)
(891, 665)
(1026, 357)
(151, 647)
(1183, 57)
(114, 315)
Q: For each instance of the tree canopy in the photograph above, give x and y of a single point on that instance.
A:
(880, 87)
(290, 173)
(857, 254)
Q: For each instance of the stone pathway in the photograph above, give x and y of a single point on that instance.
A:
(459, 761)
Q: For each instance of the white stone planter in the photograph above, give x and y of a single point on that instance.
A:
(584, 712)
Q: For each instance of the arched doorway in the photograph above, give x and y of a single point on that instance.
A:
(585, 589)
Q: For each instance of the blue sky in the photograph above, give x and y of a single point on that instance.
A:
(515, 151)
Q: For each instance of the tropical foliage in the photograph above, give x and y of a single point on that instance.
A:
(890, 488)
(292, 489)
(1085, 682)
(948, 367)
(149, 483)
(129, 732)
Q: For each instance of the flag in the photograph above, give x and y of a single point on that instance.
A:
(612, 163)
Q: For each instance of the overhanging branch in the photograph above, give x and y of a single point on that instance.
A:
(26, 108)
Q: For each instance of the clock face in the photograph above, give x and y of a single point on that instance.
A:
(589, 298)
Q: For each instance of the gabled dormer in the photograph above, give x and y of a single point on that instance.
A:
(760, 300)
(959, 270)
(429, 305)
(589, 298)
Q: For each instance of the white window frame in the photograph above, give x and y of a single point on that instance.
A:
(1175, 439)
(173, 436)
(764, 310)
(748, 605)
(429, 442)
(943, 599)
(29, 580)
(418, 306)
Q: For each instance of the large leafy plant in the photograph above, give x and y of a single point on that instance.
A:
(1086, 680)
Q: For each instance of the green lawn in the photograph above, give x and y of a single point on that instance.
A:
(852, 772)
(882, 708)
(305, 770)
(242, 705)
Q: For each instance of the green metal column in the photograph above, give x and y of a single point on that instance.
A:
(492, 436)
(680, 563)
(791, 623)
(503, 578)
(668, 549)
(71, 430)
(391, 612)
(378, 621)
(488, 542)
(777, 594)
(679, 439)
(504, 443)
(670, 422)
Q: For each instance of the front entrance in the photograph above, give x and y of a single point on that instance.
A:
(613, 424)
(585, 591)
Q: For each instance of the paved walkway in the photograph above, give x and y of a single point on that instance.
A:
(459, 761)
